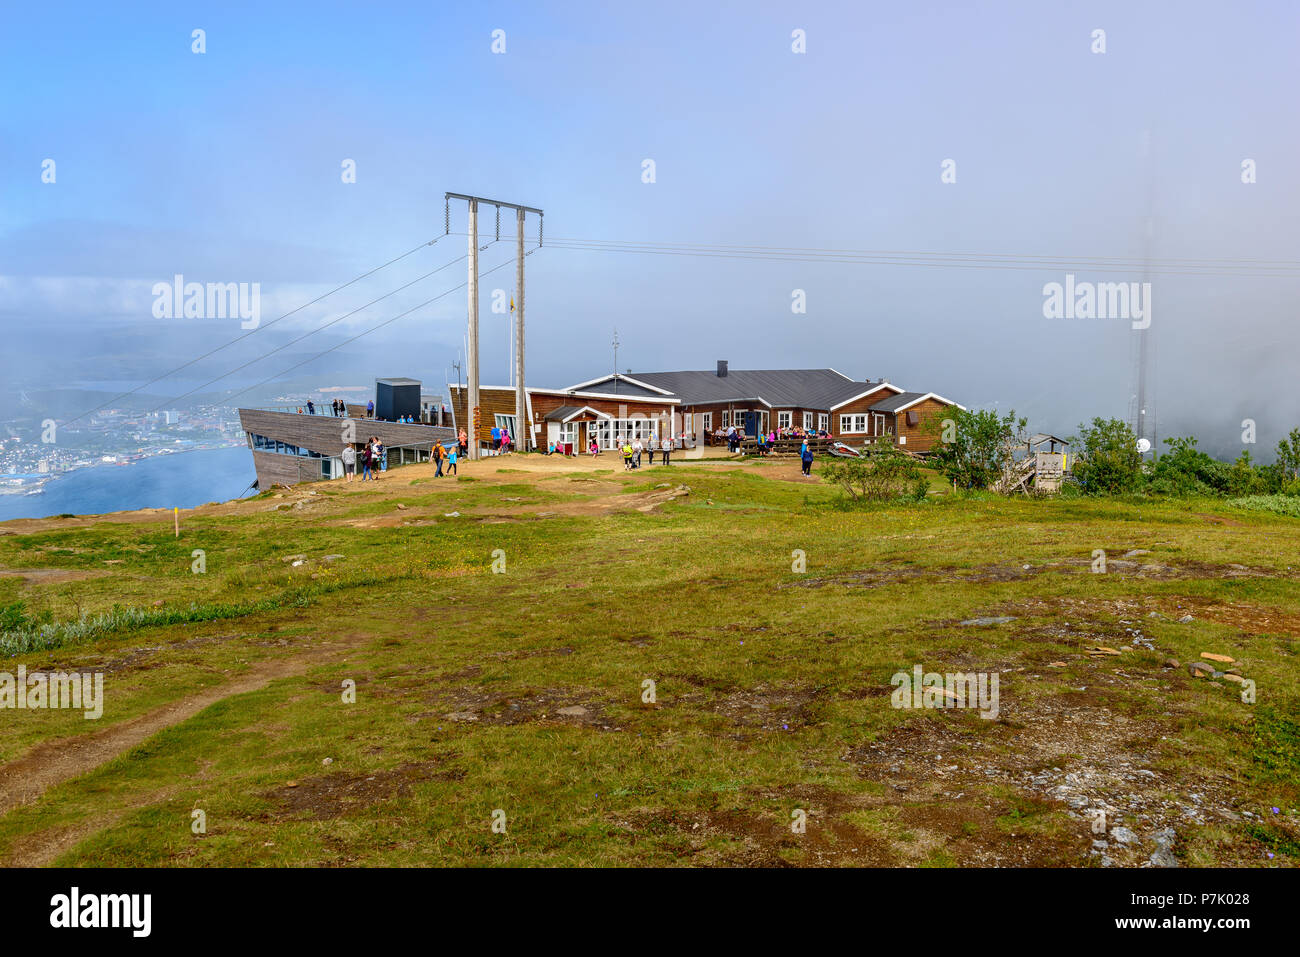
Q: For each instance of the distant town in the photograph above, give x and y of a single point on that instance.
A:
(28, 461)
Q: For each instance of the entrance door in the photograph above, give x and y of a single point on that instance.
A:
(569, 435)
(751, 423)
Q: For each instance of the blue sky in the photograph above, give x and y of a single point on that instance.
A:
(225, 167)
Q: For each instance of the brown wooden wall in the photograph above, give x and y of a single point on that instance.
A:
(275, 469)
(919, 437)
(861, 407)
(492, 402)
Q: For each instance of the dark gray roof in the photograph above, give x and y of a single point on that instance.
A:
(896, 402)
(618, 385)
(782, 388)
(562, 413)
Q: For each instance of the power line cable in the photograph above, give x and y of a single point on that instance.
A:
(639, 245)
(261, 327)
(312, 332)
(722, 253)
(366, 332)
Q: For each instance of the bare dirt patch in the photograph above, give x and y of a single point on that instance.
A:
(51, 576)
(341, 794)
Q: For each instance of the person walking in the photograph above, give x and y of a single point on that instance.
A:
(438, 453)
(666, 448)
(650, 446)
(381, 463)
(451, 460)
(806, 457)
(311, 407)
(637, 448)
(464, 442)
(594, 448)
(349, 458)
(496, 439)
(365, 462)
(370, 408)
(627, 456)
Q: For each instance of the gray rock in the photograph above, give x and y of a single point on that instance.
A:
(1123, 835)
(462, 716)
(988, 621)
(1163, 855)
(573, 711)
(1185, 619)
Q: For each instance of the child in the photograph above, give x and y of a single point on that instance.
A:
(807, 457)
(451, 459)
(594, 449)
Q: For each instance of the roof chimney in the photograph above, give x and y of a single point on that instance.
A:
(722, 368)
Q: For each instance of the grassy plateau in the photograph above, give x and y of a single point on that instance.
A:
(557, 663)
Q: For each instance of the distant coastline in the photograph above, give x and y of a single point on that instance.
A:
(160, 478)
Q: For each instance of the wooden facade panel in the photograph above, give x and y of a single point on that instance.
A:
(492, 402)
(919, 437)
(325, 433)
(275, 469)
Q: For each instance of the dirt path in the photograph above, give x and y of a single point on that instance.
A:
(24, 780)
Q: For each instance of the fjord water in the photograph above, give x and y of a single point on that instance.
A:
(182, 480)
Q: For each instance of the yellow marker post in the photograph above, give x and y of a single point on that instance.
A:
(176, 517)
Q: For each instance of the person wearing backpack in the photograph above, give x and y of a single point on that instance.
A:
(438, 453)
(806, 457)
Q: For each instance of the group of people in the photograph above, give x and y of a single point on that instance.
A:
(373, 460)
(338, 409)
(442, 455)
(501, 440)
(632, 451)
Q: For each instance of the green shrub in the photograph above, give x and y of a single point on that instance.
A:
(1108, 462)
(974, 447)
(1277, 504)
(882, 474)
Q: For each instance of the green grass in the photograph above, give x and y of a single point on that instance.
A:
(772, 686)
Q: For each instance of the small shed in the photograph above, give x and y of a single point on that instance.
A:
(1050, 465)
(396, 398)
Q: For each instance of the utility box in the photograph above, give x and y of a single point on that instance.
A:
(396, 398)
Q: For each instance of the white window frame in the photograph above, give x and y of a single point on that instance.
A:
(726, 420)
(853, 423)
(824, 421)
(784, 419)
(507, 422)
(807, 421)
(708, 421)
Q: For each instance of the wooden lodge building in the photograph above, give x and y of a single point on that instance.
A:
(696, 405)
(291, 446)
